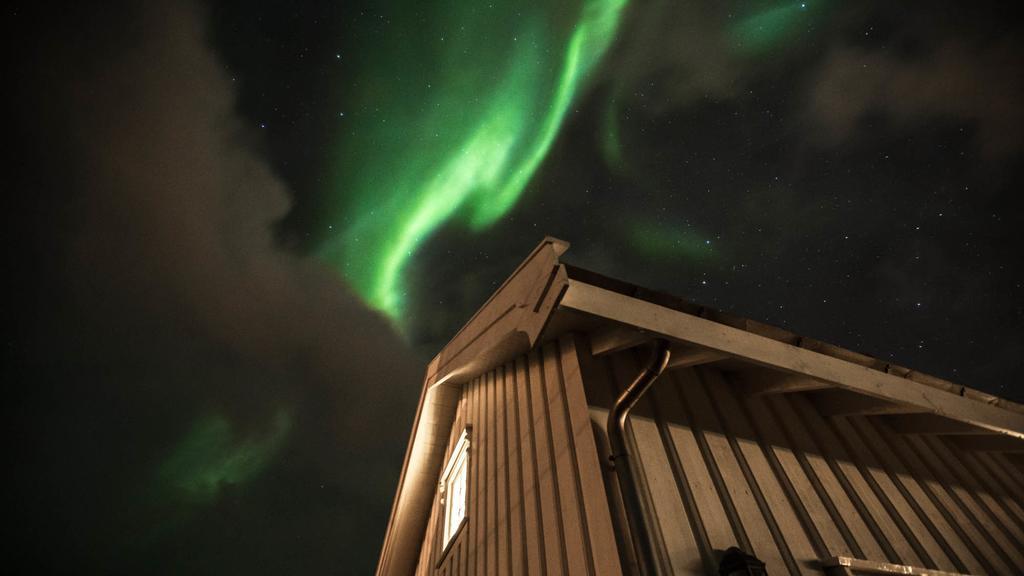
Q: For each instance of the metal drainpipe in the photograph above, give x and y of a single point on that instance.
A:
(621, 460)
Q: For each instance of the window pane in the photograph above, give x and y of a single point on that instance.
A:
(454, 485)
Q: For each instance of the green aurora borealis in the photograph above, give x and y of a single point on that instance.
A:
(452, 123)
(212, 456)
(768, 26)
(463, 140)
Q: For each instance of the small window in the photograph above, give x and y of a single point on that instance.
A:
(454, 486)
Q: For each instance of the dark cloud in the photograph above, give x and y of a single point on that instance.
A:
(976, 84)
(910, 66)
(153, 297)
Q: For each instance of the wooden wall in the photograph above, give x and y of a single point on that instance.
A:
(773, 476)
(536, 502)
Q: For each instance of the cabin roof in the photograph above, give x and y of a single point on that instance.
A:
(545, 297)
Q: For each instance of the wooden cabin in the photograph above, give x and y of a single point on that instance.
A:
(751, 449)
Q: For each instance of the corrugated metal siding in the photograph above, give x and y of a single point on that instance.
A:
(537, 503)
(772, 475)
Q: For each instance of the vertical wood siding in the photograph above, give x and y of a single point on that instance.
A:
(536, 501)
(772, 475)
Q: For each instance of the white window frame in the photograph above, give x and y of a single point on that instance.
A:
(454, 487)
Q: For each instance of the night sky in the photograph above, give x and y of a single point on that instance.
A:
(238, 231)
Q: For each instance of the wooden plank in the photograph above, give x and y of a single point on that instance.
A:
(693, 357)
(1006, 495)
(687, 439)
(516, 544)
(725, 458)
(646, 450)
(595, 505)
(668, 513)
(691, 551)
(980, 519)
(843, 511)
(578, 558)
(550, 513)
(814, 516)
(597, 384)
(856, 565)
(618, 338)
(1017, 461)
(972, 478)
(785, 526)
(761, 350)
(432, 539)
(928, 513)
(533, 532)
(615, 338)
(929, 424)
(773, 382)
(838, 402)
(929, 551)
(478, 522)
(501, 474)
(486, 551)
(1013, 481)
(491, 556)
(457, 557)
(991, 443)
(427, 550)
(877, 515)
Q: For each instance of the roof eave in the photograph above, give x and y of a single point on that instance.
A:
(832, 371)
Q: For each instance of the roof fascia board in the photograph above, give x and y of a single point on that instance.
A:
(764, 351)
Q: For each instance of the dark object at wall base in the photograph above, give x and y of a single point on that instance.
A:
(736, 562)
